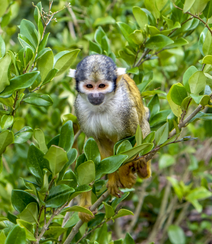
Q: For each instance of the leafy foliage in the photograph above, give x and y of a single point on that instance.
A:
(166, 47)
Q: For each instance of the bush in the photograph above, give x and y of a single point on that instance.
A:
(166, 47)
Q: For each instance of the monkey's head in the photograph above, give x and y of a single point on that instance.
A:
(96, 77)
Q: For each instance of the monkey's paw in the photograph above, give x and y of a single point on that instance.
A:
(127, 175)
(84, 216)
(142, 168)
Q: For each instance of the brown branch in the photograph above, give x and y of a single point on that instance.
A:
(75, 21)
(195, 16)
(80, 223)
(141, 197)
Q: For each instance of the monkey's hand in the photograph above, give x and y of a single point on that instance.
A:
(142, 167)
(85, 201)
(127, 175)
(114, 184)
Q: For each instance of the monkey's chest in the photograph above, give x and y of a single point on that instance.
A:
(102, 126)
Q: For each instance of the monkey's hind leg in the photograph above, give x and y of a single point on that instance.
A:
(127, 175)
(85, 201)
(114, 184)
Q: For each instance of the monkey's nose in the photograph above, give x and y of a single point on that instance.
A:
(96, 98)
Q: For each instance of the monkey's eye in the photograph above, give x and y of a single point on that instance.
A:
(89, 86)
(102, 86)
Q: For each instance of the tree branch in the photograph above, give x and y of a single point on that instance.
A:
(195, 16)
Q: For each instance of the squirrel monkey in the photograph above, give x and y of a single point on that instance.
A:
(109, 108)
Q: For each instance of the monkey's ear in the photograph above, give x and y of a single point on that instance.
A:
(121, 71)
(72, 73)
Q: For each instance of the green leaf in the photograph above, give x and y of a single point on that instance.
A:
(189, 72)
(58, 195)
(20, 82)
(203, 100)
(57, 158)
(38, 99)
(199, 6)
(162, 134)
(135, 150)
(49, 76)
(3, 7)
(6, 138)
(109, 212)
(166, 160)
(187, 5)
(197, 82)
(147, 78)
(72, 155)
(154, 105)
(117, 201)
(178, 190)
(159, 118)
(40, 138)
(2, 237)
(207, 44)
(6, 121)
(93, 47)
(176, 109)
(123, 212)
(128, 239)
(67, 136)
(198, 194)
(4, 70)
(45, 63)
(20, 199)
(152, 7)
(36, 163)
(99, 34)
(16, 236)
(37, 18)
(30, 213)
(64, 59)
(178, 43)
(149, 138)
(79, 190)
(207, 59)
(43, 42)
(23, 135)
(86, 173)
(176, 235)
(126, 31)
(104, 21)
(137, 37)
(178, 93)
(28, 30)
(140, 16)
(208, 10)
(109, 165)
(28, 227)
(158, 42)
(77, 209)
(69, 178)
(103, 235)
(91, 151)
(124, 146)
